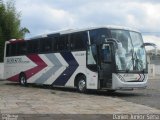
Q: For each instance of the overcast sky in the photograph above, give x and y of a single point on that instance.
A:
(46, 16)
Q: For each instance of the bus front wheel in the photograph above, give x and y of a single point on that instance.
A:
(22, 80)
(81, 85)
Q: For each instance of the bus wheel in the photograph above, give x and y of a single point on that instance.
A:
(23, 80)
(81, 85)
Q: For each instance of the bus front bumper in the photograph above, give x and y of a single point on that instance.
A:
(118, 84)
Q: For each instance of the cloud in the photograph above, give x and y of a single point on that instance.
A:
(41, 16)
(152, 39)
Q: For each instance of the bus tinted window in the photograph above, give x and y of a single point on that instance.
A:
(78, 41)
(33, 46)
(98, 36)
(63, 43)
(55, 43)
(21, 48)
(46, 45)
(13, 49)
(8, 50)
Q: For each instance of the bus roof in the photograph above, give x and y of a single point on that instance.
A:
(85, 29)
(90, 28)
(78, 30)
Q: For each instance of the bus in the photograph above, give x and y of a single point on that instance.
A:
(99, 58)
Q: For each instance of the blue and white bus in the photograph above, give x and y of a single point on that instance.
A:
(108, 57)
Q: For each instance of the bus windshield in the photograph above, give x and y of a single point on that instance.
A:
(130, 56)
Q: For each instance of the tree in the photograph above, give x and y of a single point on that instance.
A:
(10, 24)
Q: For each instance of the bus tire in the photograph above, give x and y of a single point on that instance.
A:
(23, 80)
(81, 84)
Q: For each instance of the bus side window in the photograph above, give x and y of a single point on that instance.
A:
(13, 49)
(45, 45)
(78, 41)
(98, 36)
(63, 43)
(29, 47)
(8, 50)
(33, 46)
(55, 44)
(92, 55)
(21, 48)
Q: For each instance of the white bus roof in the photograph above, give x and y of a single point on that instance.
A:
(83, 29)
(90, 28)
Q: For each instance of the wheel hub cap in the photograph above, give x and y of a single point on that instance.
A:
(82, 84)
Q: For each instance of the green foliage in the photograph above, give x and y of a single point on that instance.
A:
(10, 24)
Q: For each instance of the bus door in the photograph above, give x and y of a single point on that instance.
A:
(106, 64)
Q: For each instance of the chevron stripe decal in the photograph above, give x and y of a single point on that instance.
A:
(68, 72)
(29, 73)
(40, 65)
(57, 64)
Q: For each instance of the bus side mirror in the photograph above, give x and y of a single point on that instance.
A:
(114, 41)
(151, 44)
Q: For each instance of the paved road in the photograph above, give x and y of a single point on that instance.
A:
(16, 99)
(43, 100)
(148, 97)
